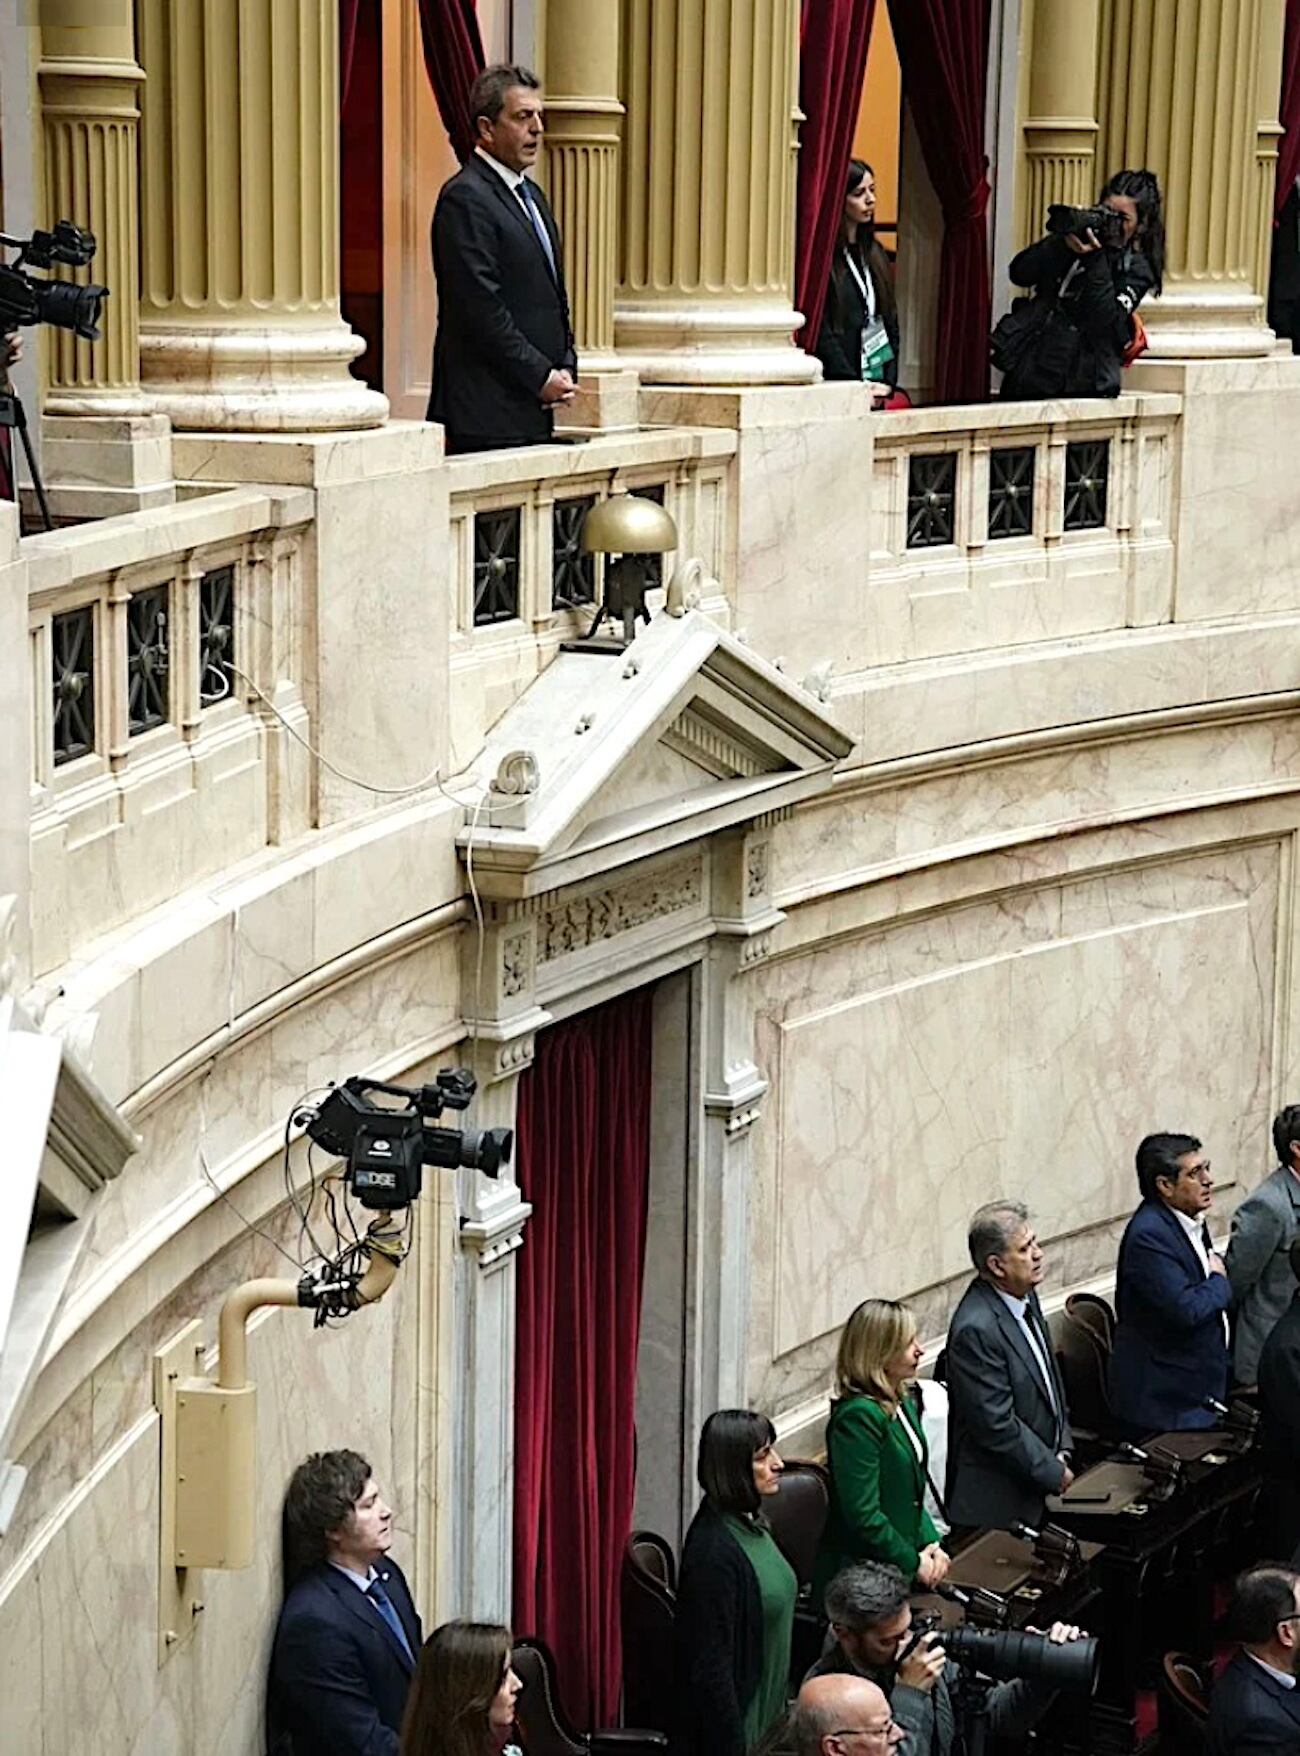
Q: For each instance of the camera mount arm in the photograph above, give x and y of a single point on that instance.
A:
(385, 1252)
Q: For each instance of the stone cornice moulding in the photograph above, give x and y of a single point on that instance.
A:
(685, 681)
(494, 1239)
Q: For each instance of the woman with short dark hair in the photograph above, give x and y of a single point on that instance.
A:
(462, 1701)
(735, 1597)
(859, 336)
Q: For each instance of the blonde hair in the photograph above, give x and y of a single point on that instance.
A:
(876, 1333)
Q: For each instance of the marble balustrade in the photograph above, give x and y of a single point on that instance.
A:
(519, 582)
(155, 762)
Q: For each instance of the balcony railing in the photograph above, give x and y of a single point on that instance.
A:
(154, 762)
(520, 582)
(1020, 522)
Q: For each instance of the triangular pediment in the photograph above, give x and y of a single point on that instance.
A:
(685, 733)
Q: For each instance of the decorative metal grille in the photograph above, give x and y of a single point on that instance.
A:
(654, 564)
(147, 660)
(931, 499)
(573, 574)
(496, 565)
(72, 681)
(1011, 492)
(216, 635)
(1087, 478)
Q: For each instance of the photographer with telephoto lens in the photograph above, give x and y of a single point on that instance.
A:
(1089, 275)
(874, 1635)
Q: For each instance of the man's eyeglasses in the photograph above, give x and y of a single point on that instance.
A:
(865, 1731)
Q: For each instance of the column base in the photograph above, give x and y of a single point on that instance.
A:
(606, 402)
(243, 380)
(736, 342)
(97, 465)
(1195, 321)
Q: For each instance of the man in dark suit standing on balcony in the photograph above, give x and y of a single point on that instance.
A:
(503, 357)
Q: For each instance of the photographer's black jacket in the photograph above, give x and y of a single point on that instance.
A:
(1097, 294)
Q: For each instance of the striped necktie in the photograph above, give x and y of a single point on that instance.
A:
(526, 194)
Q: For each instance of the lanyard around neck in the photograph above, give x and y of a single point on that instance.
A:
(865, 286)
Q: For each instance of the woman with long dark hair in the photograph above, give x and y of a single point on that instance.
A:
(462, 1701)
(735, 1596)
(859, 337)
(1082, 319)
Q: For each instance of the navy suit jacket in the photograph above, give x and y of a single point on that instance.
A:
(503, 317)
(1170, 1352)
(339, 1676)
(1252, 1714)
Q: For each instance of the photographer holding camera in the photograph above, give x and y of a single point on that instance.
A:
(874, 1637)
(1089, 275)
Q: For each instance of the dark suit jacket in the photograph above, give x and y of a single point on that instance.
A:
(1003, 1435)
(1170, 1352)
(503, 319)
(339, 1677)
(1252, 1714)
(1279, 1392)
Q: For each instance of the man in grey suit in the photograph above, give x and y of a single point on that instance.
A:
(1263, 1228)
(1009, 1435)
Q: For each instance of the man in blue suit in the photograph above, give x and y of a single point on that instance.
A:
(1171, 1296)
(348, 1636)
(1255, 1705)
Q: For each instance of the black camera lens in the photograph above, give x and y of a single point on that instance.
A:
(64, 305)
(1071, 1664)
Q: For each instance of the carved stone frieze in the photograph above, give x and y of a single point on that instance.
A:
(516, 964)
(758, 863)
(589, 920)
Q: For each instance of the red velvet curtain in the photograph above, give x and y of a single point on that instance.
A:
(453, 55)
(832, 66)
(943, 48)
(584, 1163)
(1288, 158)
(348, 10)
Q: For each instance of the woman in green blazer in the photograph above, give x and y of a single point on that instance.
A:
(877, 1453)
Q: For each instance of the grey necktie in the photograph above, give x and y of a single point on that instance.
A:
(527, 195)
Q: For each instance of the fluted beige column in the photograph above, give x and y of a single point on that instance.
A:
(583, 128)
(1272, 29)
(90, 85)
(1061, 127)
(240, 326)
(1179, 93)
(707, 246)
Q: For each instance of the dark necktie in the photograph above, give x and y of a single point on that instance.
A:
(526, 194)
(384, 1604)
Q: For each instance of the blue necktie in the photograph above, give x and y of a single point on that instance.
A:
(529, 199)
(384, 1604)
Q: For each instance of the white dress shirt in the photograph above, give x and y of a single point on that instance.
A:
(1019, 1309)
(1195, 1230)
(1287, 1681)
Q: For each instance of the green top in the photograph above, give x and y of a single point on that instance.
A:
(777, 1590)
(877, 1509)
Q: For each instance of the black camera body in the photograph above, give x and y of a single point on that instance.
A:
(1105, 224)
(27, 299)
(387, 1148)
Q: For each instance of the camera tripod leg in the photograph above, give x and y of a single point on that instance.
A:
(14, 416)
(32, 466)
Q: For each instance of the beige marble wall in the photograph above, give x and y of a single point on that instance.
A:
(79, 1569)
(1009, 1024)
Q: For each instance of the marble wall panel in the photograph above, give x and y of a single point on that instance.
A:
(78, 1570)
(1020, 1044)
